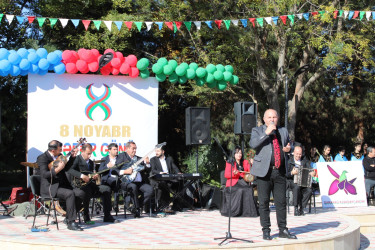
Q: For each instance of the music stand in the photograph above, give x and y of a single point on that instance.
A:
(228, 234)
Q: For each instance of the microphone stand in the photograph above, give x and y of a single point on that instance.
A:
(228, 234)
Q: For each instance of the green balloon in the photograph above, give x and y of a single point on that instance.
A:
(221, 85)
(173, 64)
(201, 72)
(180, 70)
(190, 73)
(212, 84)
(163, 61)
(220, 67)
(173, 78)
(193, 65)
(143, 64)
(144, 73)
(157, 68)
(229, 68)
(227, 76)
(167, 69)
(211, 68)
(210, 78)
(234, 80)
(218, 75)
(200, 81)
(161, 77)
(182, 79)
(185, 65)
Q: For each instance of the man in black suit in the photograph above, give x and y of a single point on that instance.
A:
(54, 183)
(160, 164)
(80, 169)
(271, 144)
(140, 183)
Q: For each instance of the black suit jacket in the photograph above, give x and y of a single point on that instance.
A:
(156, 167)
(81, 167)
(120, 159)
(58, 180)
(145, 173)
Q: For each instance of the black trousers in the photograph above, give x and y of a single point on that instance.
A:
(92, 190)
(163, 189)
(134, 188)
(276, 182)
(73, 199)
(301, 195)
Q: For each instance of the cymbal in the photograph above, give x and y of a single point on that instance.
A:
(30, 164)
(98, 161)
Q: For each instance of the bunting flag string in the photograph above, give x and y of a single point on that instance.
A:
(177, 25)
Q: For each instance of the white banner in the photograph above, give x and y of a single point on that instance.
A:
(342, 184)
(102, 109)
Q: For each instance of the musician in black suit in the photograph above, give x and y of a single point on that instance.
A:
(54, 183)
(140, 183)
(80, 169)
(160, 164)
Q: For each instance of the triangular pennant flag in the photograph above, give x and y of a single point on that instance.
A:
(108, 24)
(174, 27)
(53, 21)
(252, 20)
(97, 23)
(341, 12)
(148, 25)
(321, 13)
(268, 20)
(41, 21)
(335, 14)
(86, 23)
(346, 13)
(169, 25)
(235, 22)
(20, 19)
(160, 24)
(356, 13)
(178, 24)
(139, 25)
(218, 23)
(129, 25)
(64, 22)
(9, 18)
(198, 24)
(351, 14)
(118, 24)
(227, 24)
(306, 16)
(314, 13)
(283, 18)
(31, 19)
(361, 15)
(244, 22)
(299, 16)
(188, 25)
(75, 22)
(209, 24)
(274, 19)
(291, 18)
(373, 15)
(368, 15)
(1, 17)
(260, 21)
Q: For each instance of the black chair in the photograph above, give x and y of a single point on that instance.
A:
(312, 198)
(38, 199)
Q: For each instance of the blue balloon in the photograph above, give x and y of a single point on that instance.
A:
(15, 71)
(33, 58)
(42, 72)
(42, 52)
(24, 72)
(23, 52)
(14, 58)
(43, 64)
(25, 64)
(52, 58)
(4, 53)
(51, 67)
(2, 73)
(59, 68)
(12, 51)
(58, 53)
(31, 50)
(5, 65)
(34, 69)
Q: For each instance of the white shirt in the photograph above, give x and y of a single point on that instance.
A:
(163, 163)
(298, 163)
(113, 161)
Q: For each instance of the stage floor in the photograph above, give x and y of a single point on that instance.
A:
(189, 229)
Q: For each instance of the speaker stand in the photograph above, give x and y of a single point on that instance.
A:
(198, 181)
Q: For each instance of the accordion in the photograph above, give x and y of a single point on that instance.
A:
(303, 178)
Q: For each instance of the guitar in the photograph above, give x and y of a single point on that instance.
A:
(30, 164)
(65, 158)
(128, 178)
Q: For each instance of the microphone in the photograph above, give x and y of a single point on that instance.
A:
(273, 131)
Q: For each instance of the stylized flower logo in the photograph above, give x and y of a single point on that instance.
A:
(341, 182)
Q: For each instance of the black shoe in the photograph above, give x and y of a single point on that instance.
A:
(65, 221)
(74, 226)
(266, 236)
(110, 219)
(137, 213)
(286, 234)
(301, 212)
(296, 212)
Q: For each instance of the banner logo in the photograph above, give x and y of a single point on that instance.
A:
(98, 102)
(341, 183)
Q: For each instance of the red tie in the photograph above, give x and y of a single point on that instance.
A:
(276, 151)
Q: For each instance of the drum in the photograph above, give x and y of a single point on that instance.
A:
(248, 177)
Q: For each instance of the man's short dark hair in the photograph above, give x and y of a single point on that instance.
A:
(129, 143)
(85, 146)
(54, 144)
(112, 145)
(357, 144)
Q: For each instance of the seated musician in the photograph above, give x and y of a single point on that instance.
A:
(243, 203)
(160, 164)
(140, 183)
(81, 169)
(54, 183)
(301, 195)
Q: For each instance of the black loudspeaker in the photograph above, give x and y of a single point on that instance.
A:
(197, 126)
(246, 117)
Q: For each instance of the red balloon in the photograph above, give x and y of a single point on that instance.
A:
(110, 50)
(134, 72)
(87, 56)
(131, 60)
(75, 56)
(125, 68)
(115, 71)
(120, 56)
(105, 71)
(80, 52)
(69, 56)
(82, 66)
(93, 66)
(116, 63)
(95, 52)
(71, 68)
